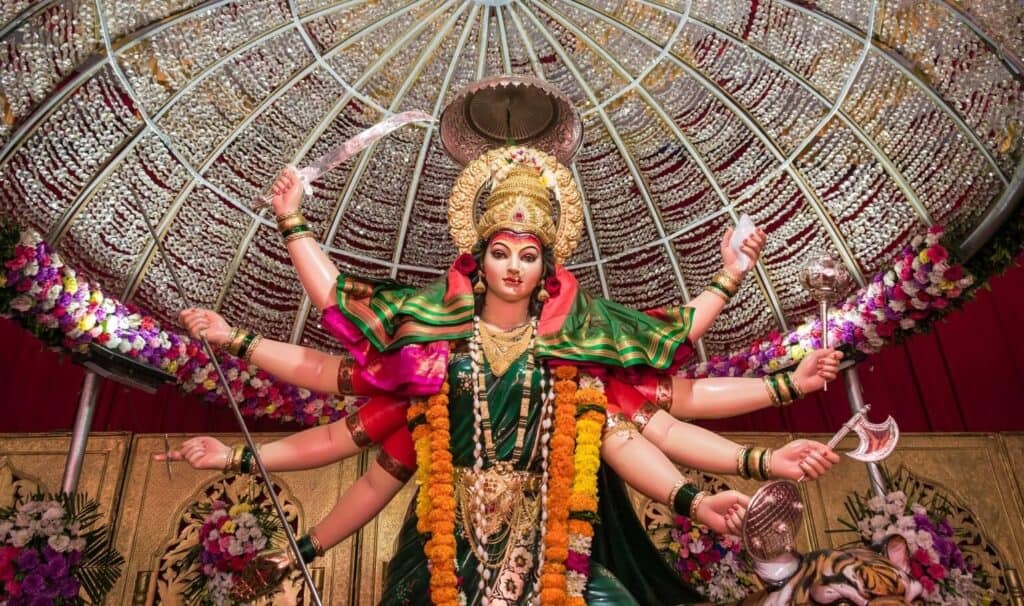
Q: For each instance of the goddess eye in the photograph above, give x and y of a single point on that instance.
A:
(497, 253)
(529, 258)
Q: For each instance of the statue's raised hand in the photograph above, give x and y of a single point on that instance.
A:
(723, 512)
(286, 191)
(817, 368)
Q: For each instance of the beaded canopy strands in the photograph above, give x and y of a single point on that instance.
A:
(782, 389)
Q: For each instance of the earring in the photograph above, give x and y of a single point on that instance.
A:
(479, 287)
(543, 295)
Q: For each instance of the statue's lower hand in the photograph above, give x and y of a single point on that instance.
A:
(802, 458)
(202, 452)
(206, 323)
(723, 512)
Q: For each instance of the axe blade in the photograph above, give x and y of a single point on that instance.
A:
(877, 440)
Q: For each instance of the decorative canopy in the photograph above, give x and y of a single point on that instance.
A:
(843, 126)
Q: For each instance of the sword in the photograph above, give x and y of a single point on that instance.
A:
(346, 150)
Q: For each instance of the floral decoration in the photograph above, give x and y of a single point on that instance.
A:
(710, 563)
(935, 559)
(920, 286)
(52, 549)
(591, 404)
(231, 536)
(66, 310)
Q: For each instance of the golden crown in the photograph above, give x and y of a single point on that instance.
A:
(520, 202)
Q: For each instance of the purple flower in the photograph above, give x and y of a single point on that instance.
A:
(33, 584)
(69, 587)
(56, 568)
(28, 560)
(923, 522)
(945, 529)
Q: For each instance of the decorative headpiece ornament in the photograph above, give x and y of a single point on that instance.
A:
(519, 200)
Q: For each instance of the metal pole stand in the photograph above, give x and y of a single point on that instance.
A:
(855, 396)
(80, 433)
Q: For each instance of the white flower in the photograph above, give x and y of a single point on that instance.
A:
(59, 542)
(924, 539)
(906, 523)
(918, 509)
(21, 537)
(876, 504)
(22, 303)
(894, 508)
(879, 521)
(235, 547)
(78, 545)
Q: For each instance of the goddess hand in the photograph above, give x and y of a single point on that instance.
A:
(202, 452)
(751, 246)
(287, 191)
(723, 512)
(817, 368)
(802, 458)
(206, 323)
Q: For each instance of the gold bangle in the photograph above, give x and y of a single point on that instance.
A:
(729, 281)
(753, 457)
(768, 463)
(252, 347)
(729, 288)
(235, 460)
(290, 223)
(740, 455)
(290, 215)
(675, 490)
(235, 344)
(299, 236)
(695, 504)
(290, 220)
(784, 395)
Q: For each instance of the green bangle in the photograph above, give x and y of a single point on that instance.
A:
(307, 549)
(762, 465)
(791, 384)
(684, 499)
(246, 464)
(774, 381)
(247, 340)
(298, 229)
(721, 289)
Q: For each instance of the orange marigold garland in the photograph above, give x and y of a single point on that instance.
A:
(590, 412)
(417, 417)
(556, 535)
(435, 443)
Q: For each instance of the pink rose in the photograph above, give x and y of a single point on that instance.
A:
(465, 264)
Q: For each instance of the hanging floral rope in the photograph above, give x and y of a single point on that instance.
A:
(921, 285)
(63, 309)
(590, 417)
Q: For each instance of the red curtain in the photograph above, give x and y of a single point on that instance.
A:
(966, 375)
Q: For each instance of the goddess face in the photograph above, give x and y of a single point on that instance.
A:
(512, 266)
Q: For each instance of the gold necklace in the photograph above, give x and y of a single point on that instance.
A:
(502, 348)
